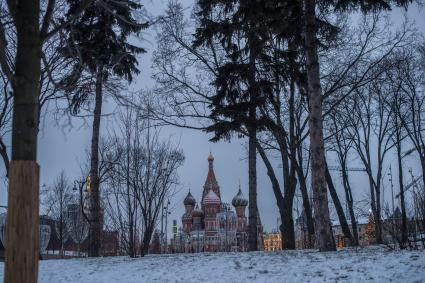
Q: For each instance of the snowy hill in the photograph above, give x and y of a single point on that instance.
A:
(373, 264)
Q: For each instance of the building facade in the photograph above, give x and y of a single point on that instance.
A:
(272, 241)
(212, 225)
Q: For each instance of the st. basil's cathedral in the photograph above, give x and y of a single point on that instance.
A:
(212, 225)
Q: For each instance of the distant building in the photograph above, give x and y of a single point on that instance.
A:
(77, 242)
(213, 226)
(155, 246)
(363, 227)
(301, 233)
(272, 241)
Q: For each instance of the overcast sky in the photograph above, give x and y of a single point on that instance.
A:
(64, 149)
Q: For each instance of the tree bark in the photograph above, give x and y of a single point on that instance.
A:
(22, 250)
(25, 83)
(252, 186)
(291, 182)
(306, 200)
(147, 236)
(373, 205)
(95, 230)
(323, 228)
(422, 158)
(23, 198)
(251, 126)
(285, 211)
(288, 224)
(349, 199)
(401, 187)
(5, 156)
(378, 222)
(338, 207)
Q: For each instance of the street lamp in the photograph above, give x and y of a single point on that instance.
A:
(166, 213)
(390, 174)
(78, 186)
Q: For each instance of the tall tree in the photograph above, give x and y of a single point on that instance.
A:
(99, 39)
(323, 227)
(403, 77)
(317, 146)
(342, 146)
(408, 79)
(240, 28)
(23, 72)
(142, 179)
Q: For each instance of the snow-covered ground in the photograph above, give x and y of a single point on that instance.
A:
(370, 264)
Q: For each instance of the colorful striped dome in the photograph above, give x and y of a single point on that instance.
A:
(239, 199)
(211, 198)
(189, 200)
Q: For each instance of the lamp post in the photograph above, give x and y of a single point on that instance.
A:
(390, 174)
(415, 205)
(166, 212)
(162, 228)
(79, 235)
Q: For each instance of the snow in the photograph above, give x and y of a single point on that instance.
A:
(373, 264)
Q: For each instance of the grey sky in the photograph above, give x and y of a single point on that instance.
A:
(65, 149)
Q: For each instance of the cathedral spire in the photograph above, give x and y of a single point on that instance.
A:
(210, 161)
(211, 181)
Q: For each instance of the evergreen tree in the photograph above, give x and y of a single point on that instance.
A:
(99, 41)
(242, 29)
(264, 58)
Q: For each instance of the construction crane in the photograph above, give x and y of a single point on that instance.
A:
(337, 168)
(412, 184)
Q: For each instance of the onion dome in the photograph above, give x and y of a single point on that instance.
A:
(189, 200)
(211, 198)
(210, 158)
(197, 212)
(239, 199)
(186, 216)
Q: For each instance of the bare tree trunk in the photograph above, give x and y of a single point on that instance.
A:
(422, 158)
(131, 244)
(147, 235)
(5, 156)
(251, 126)
(130, 198)
(306, 200)
(23, 198)
(22, 250)
(288, 224)
(61, 232)
(95, 230)
(252, 187)
(338, 207)
(285, 209)
(378, 222)
(401, 187)
(291, 183)
(350, 203)
(323, 228)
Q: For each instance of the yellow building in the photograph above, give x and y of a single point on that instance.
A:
(272, 241)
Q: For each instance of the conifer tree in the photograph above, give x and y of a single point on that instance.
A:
(99, 40)
(241, 28)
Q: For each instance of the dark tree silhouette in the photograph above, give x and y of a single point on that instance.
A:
(99, 41)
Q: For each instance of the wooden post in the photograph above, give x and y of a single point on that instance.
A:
(22, 248)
